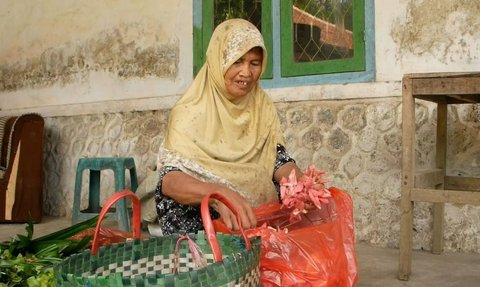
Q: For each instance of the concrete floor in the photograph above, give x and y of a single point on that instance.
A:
(377, 266)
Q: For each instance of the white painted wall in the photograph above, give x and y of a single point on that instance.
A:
(36, 26)
(410, 36)
(426, 36)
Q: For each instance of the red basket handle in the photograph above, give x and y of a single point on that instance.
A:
(210, 229)
(135, 217)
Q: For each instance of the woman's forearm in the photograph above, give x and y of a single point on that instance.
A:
(284, 171)
(185, 189)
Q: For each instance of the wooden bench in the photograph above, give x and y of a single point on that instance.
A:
(432, 186)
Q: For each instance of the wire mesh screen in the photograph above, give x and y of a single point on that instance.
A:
(322, 30)
(250, 10)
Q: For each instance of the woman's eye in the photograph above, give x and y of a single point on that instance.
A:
(256, 63)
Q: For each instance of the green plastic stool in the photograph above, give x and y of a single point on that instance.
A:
(95, 165)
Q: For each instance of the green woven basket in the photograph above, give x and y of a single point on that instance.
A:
(162, 261)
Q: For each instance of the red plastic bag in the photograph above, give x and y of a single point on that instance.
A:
(317, 251)
(274, 215)
(106, 236)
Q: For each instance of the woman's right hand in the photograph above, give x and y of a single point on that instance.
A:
(243, 208)
(185, 189)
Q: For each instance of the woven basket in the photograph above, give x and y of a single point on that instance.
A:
(231, 260)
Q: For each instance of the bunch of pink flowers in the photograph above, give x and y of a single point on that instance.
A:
(307, 193)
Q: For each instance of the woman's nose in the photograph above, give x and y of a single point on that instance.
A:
(245, 70)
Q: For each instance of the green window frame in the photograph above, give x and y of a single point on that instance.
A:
(291, 68)
(277, 29)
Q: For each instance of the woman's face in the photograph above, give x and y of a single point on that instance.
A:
(242, 75)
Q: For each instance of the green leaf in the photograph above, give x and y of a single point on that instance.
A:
(29, 227)
(76, 246)
(47, 249)
(69, 231)
(28, 262)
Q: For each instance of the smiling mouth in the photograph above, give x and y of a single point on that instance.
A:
(242, 83)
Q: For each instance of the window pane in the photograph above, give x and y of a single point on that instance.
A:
(322, 30)
(250, 10)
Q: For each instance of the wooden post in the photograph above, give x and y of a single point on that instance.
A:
(441, 163)
(408, 179)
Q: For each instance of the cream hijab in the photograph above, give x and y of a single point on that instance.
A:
(218, 138)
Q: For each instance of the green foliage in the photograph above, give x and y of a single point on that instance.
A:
(28, 270)
(28, 262)
(227, 9)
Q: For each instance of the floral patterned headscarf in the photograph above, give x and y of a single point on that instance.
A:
(218, 138)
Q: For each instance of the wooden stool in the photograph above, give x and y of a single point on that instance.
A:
(95, 165)
(433, 185)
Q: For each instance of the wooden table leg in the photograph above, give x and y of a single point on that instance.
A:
(441, 158)
(408, 179)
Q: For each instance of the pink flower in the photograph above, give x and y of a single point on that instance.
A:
(309, 191)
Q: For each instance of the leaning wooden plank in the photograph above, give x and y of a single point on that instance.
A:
(12, 186)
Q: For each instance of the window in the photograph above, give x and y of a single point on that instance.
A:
(216, 11)
(323, 36)
(306, 39)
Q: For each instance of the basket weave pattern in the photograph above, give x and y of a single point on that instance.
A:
(154, 262)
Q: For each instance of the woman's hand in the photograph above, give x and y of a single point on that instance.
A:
(243, 208)
(185, 189)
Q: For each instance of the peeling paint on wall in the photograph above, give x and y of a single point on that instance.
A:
(439, 28)
(109, 52)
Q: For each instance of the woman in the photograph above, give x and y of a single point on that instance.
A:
(223, 136)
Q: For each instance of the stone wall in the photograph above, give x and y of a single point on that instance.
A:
(358, 142)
